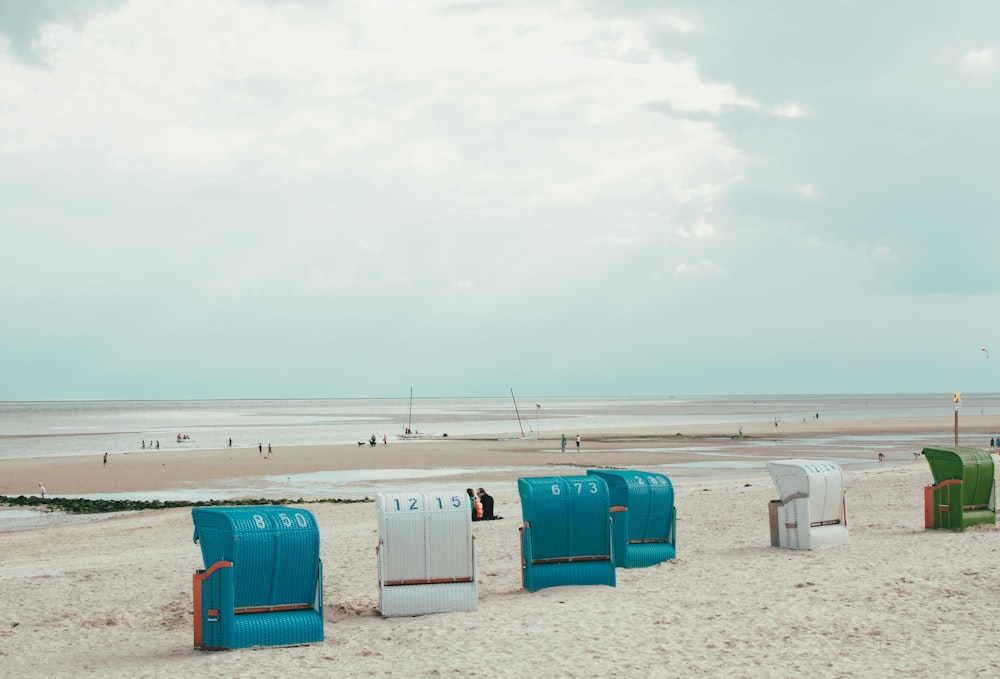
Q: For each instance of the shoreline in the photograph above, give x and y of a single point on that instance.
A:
(700, 450)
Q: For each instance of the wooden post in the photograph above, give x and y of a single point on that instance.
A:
(957, 400)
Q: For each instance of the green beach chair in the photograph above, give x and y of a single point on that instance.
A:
(963, 491)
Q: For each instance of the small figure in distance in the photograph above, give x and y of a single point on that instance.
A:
(881, 457)
(487, 503)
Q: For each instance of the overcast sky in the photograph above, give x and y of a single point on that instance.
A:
(313, 198)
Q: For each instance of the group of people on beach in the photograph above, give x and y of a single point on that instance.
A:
(481, 504)
(564, 443)
(144, 446)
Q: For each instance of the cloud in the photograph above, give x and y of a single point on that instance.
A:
(980, 60)
(700, 269)
(540, 85)
(23, 22)
(701, 229)
(808, 191)
(615, 239)
(789, 111)
(446, 136)
(674, 22)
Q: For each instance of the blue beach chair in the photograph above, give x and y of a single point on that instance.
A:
(645, 520)
(263, 578)
(566, 534)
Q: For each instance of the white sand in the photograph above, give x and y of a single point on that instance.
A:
(113, 599)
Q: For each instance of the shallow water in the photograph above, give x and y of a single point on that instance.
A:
(851, 452)
(44, 429)
(30, 519)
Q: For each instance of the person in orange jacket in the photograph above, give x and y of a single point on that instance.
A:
(475, 505)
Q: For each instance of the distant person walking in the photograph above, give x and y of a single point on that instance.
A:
(260, 448)
(269, 450)
(105, 459)
(578, 442)
(385, 440)
(564, 443)
(41, 489)
(230, 441)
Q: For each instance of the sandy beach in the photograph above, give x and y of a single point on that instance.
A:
(112, 598)
(160, 470)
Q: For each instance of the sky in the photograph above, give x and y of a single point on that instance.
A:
(350, 198)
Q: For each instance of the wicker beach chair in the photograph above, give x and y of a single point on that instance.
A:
(645, 523)
(566, 534)
(963, 493)
(426, 553)
(811, 511)
(263, 579)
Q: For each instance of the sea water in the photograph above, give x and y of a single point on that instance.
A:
(43, 429)
(57, 428)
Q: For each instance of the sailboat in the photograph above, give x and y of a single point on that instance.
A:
(410, 432)
(522, 437)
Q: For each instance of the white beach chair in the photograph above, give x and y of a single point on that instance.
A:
(811, 511)
(426, 553)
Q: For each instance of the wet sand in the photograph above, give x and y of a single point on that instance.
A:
(498, 460)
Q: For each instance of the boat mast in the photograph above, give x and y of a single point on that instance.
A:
(409, 419)
(516, 411)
